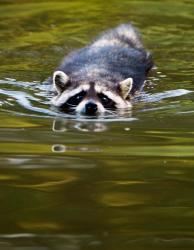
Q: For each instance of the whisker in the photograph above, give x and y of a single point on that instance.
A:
(73, 108)
(110, 112)
(71, 105)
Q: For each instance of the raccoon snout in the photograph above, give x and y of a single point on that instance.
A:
(91, 108)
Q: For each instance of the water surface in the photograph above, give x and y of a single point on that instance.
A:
(117, 182)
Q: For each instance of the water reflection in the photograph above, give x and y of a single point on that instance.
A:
(59, 148)
(47, 241)
(86, 241)
(63, 125)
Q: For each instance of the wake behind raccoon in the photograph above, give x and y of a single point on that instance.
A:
(104, 75)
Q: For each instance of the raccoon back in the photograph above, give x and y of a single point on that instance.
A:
(124, 34)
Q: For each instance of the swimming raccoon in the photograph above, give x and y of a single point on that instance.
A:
(104, 75)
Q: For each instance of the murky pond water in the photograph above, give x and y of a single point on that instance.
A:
(118, 182)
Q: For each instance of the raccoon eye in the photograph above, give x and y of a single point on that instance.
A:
(106, 101)
(76, 99)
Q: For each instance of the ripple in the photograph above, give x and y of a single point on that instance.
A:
(156, 97)
(33, 99)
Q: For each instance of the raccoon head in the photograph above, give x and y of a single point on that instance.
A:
(90, 98)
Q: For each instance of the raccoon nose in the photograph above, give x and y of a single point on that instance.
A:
(91, 108)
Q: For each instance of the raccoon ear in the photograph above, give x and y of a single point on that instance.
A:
(126, 86)
(60, 80)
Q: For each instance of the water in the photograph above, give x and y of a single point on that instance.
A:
(123, 181)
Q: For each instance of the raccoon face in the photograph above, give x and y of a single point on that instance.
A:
(89, 98)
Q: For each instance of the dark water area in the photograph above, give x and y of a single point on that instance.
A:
(119, 182)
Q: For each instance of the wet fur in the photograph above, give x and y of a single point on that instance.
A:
(114, 56)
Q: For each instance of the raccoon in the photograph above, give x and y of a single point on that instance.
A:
(103, 76)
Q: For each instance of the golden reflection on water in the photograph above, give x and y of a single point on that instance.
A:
(40, 225)
(62, 125)
(121, 199)
(50, 180)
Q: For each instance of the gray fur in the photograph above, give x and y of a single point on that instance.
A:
(114, 56)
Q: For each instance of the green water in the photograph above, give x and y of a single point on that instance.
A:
(115, 183)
